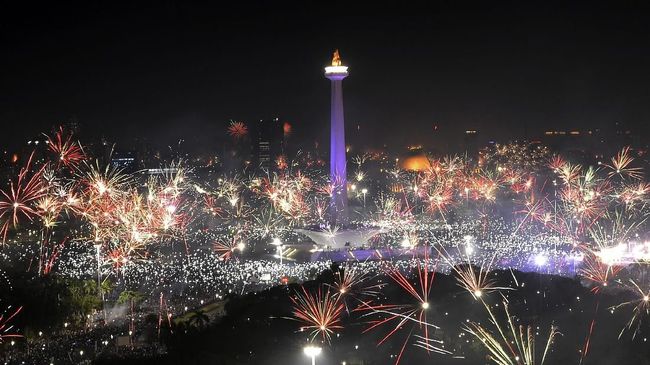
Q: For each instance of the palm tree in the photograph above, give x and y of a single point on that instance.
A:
(199, 319)
(105, 287)
(131, 297)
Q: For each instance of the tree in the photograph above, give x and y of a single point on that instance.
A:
(132, 297)
(199, 319)
(83, 298)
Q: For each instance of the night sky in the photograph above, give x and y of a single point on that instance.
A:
(170, 69)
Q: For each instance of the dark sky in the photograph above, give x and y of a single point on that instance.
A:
(172, 69)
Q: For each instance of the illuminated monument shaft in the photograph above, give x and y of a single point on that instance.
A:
(338, 173)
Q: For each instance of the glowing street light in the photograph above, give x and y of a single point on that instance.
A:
(406, 242)
(540, 260)
(312, 351)
(468, 244)
(279, 246)
(241, 246)
(469, 250)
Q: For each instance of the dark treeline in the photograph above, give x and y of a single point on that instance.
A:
(258, 330)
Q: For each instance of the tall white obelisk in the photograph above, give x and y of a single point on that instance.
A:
(338, 173)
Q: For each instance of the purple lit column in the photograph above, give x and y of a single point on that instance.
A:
(338, 174)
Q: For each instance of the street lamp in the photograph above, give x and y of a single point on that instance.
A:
(364, 191)
(312, 351)
(98, 247)
(279, 246)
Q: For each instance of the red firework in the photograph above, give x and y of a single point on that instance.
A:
(237, 130)
(69, 153)
(226, 249)
(635, 194)
(212, 206)
(16, 201)
(320, 313)
(350, 282)
(535, 209)
(123, 256)
(598, 272)
(50, 254)
(399, 315)
(523, 185)
(327, 189)
(6, 327)
(557, 163)
(286, 128)
(281, 162)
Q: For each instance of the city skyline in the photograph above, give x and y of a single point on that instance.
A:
(282, 182)
(179, 65)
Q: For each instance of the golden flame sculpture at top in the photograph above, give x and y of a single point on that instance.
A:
(336, 58)
(336, 70)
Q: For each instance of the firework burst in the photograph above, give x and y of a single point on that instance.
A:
(320, 313)
(473, 278)
(620, 166)
(398, 316)
(350, 282)
(641, 308)
(237, 130)
(16, 202)
(6, 328)
(510, 344)
(227, 248)
(68, 152)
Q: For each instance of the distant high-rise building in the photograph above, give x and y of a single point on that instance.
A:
(470, 142)
(593, 144)
(267, 137)
(124, 160)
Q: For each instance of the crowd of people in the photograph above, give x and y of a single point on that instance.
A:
(180, 280)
